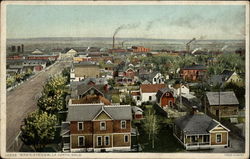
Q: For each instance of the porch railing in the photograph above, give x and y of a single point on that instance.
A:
(198, 144)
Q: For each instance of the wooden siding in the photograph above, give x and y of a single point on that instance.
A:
(102, 116)
(224, 138)
(225, 111)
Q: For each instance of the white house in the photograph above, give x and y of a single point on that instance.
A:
(179, 89)
(148, 91)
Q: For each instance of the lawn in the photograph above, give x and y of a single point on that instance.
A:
(164, 142)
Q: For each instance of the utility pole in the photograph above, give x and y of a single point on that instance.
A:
(180, 95)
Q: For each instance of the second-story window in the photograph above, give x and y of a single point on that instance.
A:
(102, 125)
(80, 126)
(123, 124)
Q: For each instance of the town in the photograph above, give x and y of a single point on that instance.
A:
(126, 98)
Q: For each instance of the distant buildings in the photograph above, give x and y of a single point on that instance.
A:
(140, 49)
(193, 72)
(82, 70)
(225, 77)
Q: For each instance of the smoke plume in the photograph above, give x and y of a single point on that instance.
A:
(125, 26)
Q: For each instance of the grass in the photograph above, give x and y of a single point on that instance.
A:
(164, 142)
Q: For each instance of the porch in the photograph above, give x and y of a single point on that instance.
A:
(194, 142)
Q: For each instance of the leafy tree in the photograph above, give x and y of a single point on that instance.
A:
(38, 129)
(66, 74)
(53, 95)
(151, 126)
(10, 81)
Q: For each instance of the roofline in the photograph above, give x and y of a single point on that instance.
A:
(94, 88)
(102, 110)
(220, 125)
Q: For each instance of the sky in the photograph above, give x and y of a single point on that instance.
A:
(134, 21)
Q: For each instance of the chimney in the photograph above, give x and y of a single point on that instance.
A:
(22, 48)
(194, 110)
(113, 42)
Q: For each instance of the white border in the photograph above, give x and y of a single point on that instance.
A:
(114, 155)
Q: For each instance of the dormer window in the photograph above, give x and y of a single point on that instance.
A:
(102, 125)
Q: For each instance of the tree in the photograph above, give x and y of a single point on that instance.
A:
(38, 129)
(151, 126)
(10, 81)
(53, 95)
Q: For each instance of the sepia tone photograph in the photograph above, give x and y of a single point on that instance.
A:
(124, 79)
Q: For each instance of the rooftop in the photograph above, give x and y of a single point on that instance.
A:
(151, 88)
(226, 98)
(196, 124)
(89, 112)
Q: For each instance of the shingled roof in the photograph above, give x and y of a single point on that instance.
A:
(89, 112)
(226, 98)
(151, 88)
(196, 124)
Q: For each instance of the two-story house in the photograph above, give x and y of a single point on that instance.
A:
(148, 91)
(97, 128)
(193, 72)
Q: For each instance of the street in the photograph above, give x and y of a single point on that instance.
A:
(22, 100)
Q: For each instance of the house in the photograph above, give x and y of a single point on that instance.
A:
(79, 90)
(83, 70)
(179, 89)
(165, 97)
(193, 72)
(148, 91)
(136, 97)
(199, 131)
(225, 77)
(222, 104)
(152, 77)
(97, 128)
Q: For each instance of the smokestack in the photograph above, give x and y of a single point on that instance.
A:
(22, 48)
(113, 41)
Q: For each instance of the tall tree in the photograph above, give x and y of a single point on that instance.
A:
(151, 126)
(38, 129)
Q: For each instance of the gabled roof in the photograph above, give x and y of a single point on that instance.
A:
(161, 92)
(196, 124)
(226, 98)
(227, 73)
(89, 112)
(151, 88)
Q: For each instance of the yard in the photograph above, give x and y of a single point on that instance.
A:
(164, 141)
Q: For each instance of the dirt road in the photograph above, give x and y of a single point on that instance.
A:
(22, 100)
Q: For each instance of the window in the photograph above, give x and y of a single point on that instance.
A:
(154, 79)
(99, 141)
(150, 98)
(123, 124)
(80, 126)
(206, 138)
(106, 140)
(126, 139)
(138, 97)
(218, 138)
(81, 141)
(102, 125)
